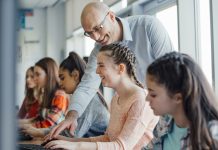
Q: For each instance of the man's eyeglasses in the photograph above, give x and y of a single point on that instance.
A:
(96, 28)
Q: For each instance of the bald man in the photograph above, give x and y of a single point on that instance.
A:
(143, 34)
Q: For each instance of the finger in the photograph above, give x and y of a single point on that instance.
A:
(50, 144)
(72, 130)
(51, 133)
(58, 130)
(46, 138)
(58, 146)
(59, 137)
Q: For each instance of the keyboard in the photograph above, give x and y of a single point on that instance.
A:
(24, 137)
(30, 146)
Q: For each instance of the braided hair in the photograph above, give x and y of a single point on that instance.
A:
(122, 54)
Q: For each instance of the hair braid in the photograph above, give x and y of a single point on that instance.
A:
(122, 54)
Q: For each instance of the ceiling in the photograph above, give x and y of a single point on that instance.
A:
(31, 4)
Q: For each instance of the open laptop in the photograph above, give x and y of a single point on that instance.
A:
(29, 146)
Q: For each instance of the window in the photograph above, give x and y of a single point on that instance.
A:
(89, 45)
(205, 39)
(168, 18)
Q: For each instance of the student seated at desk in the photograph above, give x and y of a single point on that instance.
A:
(179, 91)
(95, 119)
(132, 120)
(31, 103)
(54, 100)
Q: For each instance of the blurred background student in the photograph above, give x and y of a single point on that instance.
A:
(54, 100)
(31, 103)
(95, 119)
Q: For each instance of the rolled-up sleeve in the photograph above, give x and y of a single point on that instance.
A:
(56, 113)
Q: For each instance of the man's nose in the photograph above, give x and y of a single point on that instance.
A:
(97, 70)
(95, 36)
(147, 98)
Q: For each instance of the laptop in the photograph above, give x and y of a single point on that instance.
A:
(24, 137)
(30, 146)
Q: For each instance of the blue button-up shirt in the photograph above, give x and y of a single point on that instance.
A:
(145, 36)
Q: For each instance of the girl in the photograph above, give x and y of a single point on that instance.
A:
(30, 107)
(179, 90)
(132, 120)
(55, 101)
(95, 119)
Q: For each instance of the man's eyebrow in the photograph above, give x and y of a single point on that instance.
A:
(99, 63)
(149, 89)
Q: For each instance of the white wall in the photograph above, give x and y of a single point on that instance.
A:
(31, 47)
(46, 38)
(56, 31)
(73, 12)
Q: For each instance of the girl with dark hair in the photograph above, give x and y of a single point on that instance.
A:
(31, 104)
(95, 118)
(132, 120)
(179, 91)
(54, 100)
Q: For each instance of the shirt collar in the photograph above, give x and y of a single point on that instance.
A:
(127, 36)
(165, 125)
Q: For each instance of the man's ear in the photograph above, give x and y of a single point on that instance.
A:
(178, 98)
(122, 68)
(112, 16)
(75, 75)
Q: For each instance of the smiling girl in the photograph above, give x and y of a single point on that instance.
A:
(132, 120)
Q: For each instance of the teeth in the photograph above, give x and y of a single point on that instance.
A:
(103, 40)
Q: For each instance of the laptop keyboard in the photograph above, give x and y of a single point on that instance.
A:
(24, 137)
(30, 146)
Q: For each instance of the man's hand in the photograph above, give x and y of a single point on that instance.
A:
(70, 123)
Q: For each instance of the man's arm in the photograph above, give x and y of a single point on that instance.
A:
(88, 86)
(84, 93)
(159, 38)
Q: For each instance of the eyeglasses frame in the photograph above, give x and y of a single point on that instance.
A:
(97, 28)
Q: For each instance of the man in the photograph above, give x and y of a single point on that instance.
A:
(143, 34)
